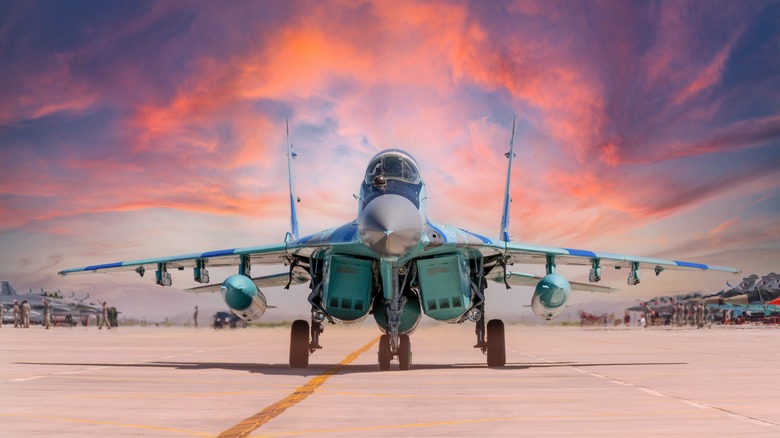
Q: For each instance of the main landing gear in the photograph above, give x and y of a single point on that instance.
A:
(300, 345)
(495, 345)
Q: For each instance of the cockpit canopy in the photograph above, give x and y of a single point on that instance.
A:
(393, 164)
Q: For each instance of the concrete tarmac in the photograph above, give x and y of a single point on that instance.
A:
(173, 382)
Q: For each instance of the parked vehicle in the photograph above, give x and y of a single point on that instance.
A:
(227, 319)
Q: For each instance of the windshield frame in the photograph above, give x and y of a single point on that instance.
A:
(386, 164)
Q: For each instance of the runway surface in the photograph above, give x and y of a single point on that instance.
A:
(558, 381)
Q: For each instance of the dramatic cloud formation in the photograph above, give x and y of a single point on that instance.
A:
(151, 128)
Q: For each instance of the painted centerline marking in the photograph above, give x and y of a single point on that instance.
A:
(254, 422)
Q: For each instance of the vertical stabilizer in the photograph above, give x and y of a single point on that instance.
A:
(7, 289)
(293, 234)
(504, 234)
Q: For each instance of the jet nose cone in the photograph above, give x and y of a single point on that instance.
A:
(390, 225)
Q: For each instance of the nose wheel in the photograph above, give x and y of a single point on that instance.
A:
(384, 353)
(404, 353)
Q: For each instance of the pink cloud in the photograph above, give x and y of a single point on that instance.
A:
(378, 76)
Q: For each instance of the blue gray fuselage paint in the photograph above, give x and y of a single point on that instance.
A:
(391, 217)
(393, 187)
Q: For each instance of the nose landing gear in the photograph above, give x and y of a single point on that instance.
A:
(403, 353)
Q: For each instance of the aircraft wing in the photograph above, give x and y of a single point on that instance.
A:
(262, 255)
(61, 309)
(522, 279)
(531, 254)
(275, 254)
(299, 276)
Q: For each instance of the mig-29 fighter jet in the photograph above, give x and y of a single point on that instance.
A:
(397, 263)
(59, 304)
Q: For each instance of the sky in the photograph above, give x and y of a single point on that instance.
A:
(139, 129)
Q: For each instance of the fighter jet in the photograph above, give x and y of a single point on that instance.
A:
(757, 311)
(756, 289)
(395, 262)
(757, 296)
(666, 304)
(59, 304)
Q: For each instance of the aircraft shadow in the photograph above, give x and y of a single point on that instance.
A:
(319, 369)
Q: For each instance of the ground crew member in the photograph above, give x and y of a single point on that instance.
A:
(104, 319)
(2, 313)
(46, 314)
(25, 314)
(703, 314)
(195, 317)
(16, 314)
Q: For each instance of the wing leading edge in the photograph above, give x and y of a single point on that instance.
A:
(284, 254)
(530, 254)
(519, 253)
(264, 255)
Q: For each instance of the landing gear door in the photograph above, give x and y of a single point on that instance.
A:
(347, 287)
(445, 286)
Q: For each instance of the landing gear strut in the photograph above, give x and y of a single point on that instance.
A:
(393, 343)
(494, 346)
(300, 344)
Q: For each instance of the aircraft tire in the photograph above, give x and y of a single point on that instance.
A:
(404, 353)
(496, 352)
(384, 353)
(299, 344)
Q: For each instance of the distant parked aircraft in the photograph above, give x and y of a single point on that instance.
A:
(59, 304)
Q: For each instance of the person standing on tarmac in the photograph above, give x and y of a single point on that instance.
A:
(2, 314)
(46, 314)
(681, 316)
(195, 317)
(26, 314)
(104, 319)
(16, 314)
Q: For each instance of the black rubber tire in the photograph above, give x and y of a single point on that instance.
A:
(496, 351)
(384, 353)
(299, 344)
(404, 353)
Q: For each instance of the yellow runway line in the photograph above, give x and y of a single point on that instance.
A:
(254, 422)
